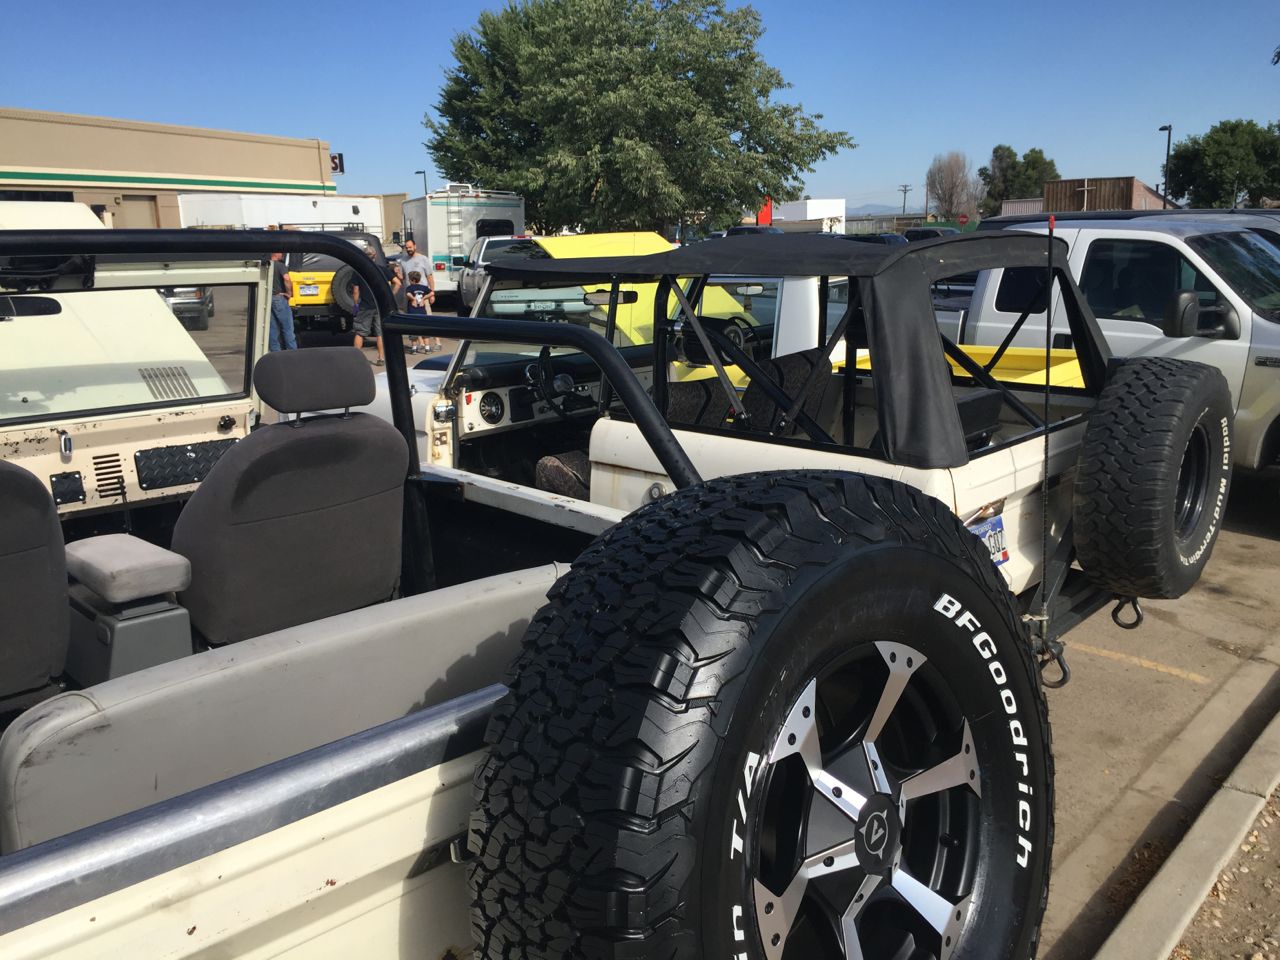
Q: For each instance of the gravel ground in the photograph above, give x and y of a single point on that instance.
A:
(1241, 916)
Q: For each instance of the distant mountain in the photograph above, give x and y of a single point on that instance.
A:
(870, 210)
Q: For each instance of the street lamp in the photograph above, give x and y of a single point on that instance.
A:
(424, 178)
(1167, 129)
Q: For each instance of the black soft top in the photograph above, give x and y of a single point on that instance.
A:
(919, 423)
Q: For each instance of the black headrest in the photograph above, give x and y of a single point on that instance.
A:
(317, 378)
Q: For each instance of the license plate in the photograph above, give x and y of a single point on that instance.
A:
(309, 290)
(991, 532)
(542, 305)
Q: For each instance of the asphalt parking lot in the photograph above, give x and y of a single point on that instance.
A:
(1150, 723)
(1154, 718)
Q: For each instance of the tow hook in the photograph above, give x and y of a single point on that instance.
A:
(1119, 621)
(1049, 651)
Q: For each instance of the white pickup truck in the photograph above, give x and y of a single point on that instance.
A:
(1195, 286)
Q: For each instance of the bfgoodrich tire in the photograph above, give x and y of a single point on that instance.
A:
(1153, 477)
(772, 716)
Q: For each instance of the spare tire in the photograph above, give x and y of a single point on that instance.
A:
(770, 716)
(343, 289)
(1153, 477)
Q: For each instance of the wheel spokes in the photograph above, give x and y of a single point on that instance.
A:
(849, 938)
(944, 917)
(800, 733)
(776, 914)
(902, 662)
(959, 770)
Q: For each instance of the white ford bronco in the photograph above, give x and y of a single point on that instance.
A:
(684, 647)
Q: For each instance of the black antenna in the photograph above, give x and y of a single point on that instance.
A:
(1044, 486)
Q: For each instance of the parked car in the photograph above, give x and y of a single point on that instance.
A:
(913, 234)
(471, 268)
(769, 682)
(323, 290)
(1196, 286)
(193, 306)
(747, 230)
(884, 239)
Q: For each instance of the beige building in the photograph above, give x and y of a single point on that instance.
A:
(132, 172)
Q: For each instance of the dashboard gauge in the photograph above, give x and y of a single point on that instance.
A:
(492, 408)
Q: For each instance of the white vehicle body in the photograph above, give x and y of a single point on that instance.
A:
(1249, 359)
(446, 223)
(257, 211)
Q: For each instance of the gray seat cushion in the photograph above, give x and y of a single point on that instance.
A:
(120, 568)
(296, 522)
(34, 610)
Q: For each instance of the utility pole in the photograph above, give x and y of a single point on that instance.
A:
(1167, 129)
(904, 189)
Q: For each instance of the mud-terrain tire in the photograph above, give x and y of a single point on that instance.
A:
(343, 289)
(1153, 477)
(810, 678)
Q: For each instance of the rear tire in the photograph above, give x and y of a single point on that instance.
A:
(642, 797)
(1153, 477)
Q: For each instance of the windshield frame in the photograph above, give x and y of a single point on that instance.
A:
(1208, 247)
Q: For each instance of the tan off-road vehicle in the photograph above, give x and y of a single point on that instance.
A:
(744, 665)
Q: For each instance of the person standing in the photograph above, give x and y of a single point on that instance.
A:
(415, 261)
(368, 319)
(281, 336)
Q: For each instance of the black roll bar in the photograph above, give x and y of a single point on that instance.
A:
(535, 333)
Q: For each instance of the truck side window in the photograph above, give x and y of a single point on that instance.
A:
(1136, 279)
(1019, 287)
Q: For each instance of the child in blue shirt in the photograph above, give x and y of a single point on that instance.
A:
(418, 297)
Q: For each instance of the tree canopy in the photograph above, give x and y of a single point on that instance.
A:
(1006, 177)
(1236, 163)
(616, 114)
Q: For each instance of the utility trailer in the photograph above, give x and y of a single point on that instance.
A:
(766, 693)
(447, 222)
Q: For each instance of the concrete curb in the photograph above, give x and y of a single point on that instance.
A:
(1156, 922)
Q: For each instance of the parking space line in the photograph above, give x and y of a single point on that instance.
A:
(1140, 662)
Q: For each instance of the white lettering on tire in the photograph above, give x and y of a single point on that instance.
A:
(1193, 558)
(953, 610)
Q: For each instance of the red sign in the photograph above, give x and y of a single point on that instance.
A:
(765, 217)
(963, 219)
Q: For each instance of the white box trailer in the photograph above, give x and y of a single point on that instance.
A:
(445, 223)
(256, 211)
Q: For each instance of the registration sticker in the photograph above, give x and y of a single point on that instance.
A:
(991, 532)
(543, 306)
(309, 290)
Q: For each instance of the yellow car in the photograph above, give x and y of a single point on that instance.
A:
(323, 296)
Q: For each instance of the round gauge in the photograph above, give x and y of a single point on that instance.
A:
(492, 408)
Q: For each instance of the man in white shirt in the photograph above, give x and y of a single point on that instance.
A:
(414, 261)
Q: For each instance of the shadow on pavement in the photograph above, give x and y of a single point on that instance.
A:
(1254, 507)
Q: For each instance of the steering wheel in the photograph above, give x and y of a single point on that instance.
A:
(740, 331)
(549, 385)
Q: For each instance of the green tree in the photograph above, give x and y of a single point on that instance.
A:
(1236, 163)
(614, 114)
(1006, 177)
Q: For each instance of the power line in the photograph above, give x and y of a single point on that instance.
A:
(904, 189)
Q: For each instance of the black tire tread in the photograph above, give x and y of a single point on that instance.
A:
(1127, 461)
(616, 694)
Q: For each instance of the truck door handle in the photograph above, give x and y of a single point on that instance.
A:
(1062, 341)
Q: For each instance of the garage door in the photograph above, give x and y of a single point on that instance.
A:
(136, 212)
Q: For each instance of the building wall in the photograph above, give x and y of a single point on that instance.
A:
(132, 172)
(1103, 193)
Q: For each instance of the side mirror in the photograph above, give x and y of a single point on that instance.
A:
(1185, 317)
(1182, 315)
(459, 261)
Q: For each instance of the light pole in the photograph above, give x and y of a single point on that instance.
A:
(424, 178)
(1167, 129)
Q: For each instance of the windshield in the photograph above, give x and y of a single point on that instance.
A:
(98, 351)
(1247, 261)
(502, 251)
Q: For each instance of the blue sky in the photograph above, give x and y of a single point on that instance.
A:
(1088, 81)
